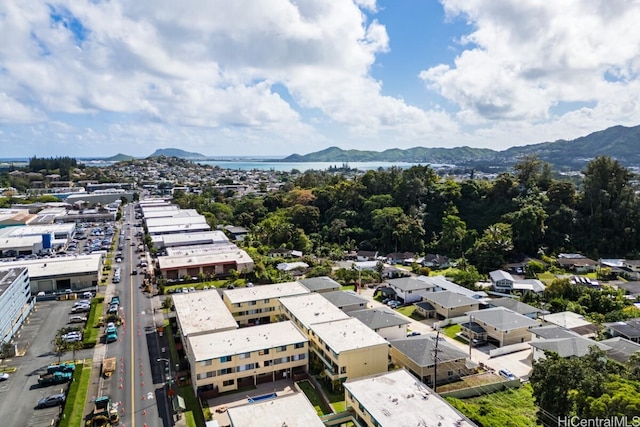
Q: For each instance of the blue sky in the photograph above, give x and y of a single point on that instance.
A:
(271, 78)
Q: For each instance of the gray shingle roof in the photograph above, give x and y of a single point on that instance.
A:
(315, 284)
(514, 305)
(449, 299)
(568, 347)
(553, 331)
(421, 348)
(410, 284)
(343, 298)
(377, 318)
(503, 319)
(621, 349)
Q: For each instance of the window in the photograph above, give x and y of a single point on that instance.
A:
(226, 371)
(343, 369)
(252, 303)
(246, 367)
(266, 301)
(263, 352)
(300, 356)
(245, 355)
(228, 383)
(206, 363)
(449, 373)
(299, 345)
(237, 305)
(281, 349)
(225, 359)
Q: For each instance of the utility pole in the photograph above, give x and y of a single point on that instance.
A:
(435, 361)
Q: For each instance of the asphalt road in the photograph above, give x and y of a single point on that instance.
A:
(137, 383)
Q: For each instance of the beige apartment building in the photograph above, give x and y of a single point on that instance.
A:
(258, 305)
(348, 349)
(226, 361)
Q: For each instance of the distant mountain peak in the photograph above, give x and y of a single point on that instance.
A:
(176, 152)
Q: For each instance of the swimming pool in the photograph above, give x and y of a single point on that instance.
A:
(262, 397)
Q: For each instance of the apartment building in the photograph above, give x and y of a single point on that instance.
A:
(15, 301)
(397, 398)
(306, 310)
(226, 361)
(202, 312)
(259, 304)
(348, 349)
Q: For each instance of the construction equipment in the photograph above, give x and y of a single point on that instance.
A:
(108, 366)
(105, 413)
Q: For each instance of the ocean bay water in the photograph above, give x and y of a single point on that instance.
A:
(301, 166)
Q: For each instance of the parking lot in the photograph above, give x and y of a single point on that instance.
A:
(34, 341)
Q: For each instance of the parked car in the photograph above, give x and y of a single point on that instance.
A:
(507, 374)
(72, 337)
(4, 376)
(77, 319)
(81, 308)
(49, 401)
(413, 334)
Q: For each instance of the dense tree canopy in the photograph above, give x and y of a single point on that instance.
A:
(488, 222)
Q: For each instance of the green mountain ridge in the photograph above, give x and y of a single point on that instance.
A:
(618, 142)
(119, 158)
(176, 152)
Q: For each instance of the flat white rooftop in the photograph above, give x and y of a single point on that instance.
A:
(49, 267)
(347, 334)
(245, 340)
(201, 312)
(237, 256)
(312, 308)
(187, 239)
(262, 292)
(204, 249)
(288, 410)
(178, 228)
(175, 220)
(33, 230)
(397, 398)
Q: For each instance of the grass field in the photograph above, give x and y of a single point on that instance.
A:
(193, 406)
(510, 408)
(73, 414)
(314, 397)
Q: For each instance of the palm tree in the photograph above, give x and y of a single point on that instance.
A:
(59, 345)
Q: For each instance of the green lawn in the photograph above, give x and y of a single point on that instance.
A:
(510, 408)
(192, 404)
(91, 331)
(335, 398)
(410, 311)
(73, 414)
(314, 397)
(452, 330)
(189, 419)
(546, 277)
(172, 342)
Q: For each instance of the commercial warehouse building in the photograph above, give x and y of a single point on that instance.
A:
(58, 274)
